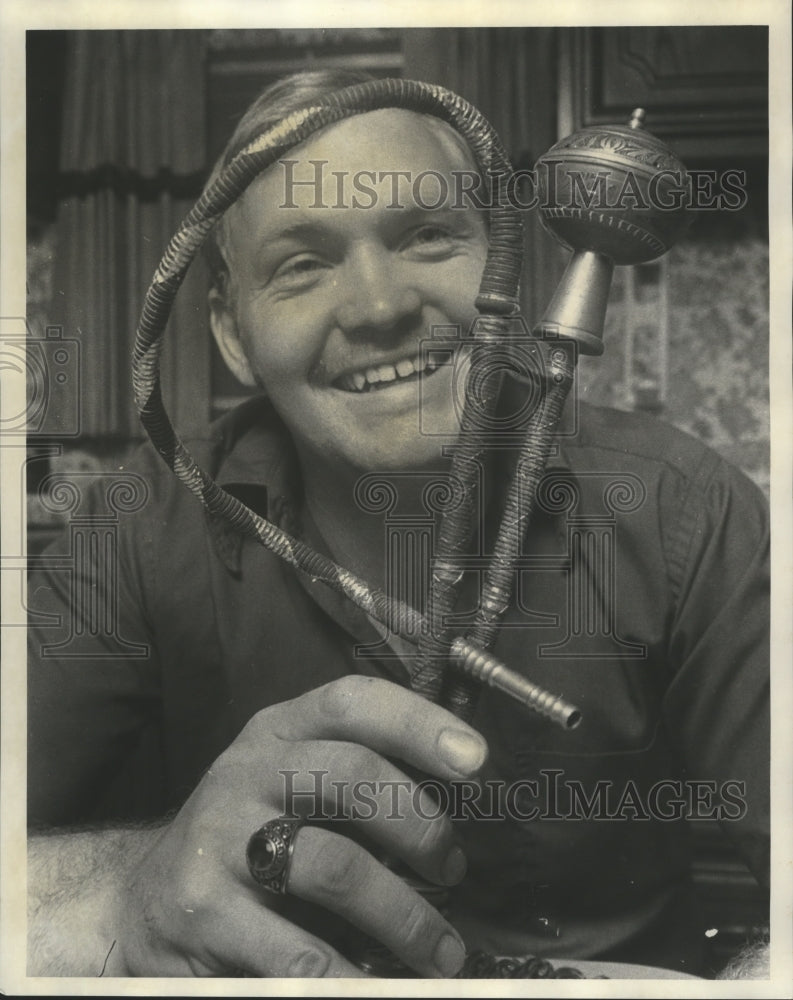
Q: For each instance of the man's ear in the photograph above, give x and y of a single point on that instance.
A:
(227, 337)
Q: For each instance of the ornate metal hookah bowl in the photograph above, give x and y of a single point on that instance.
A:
(613, 194)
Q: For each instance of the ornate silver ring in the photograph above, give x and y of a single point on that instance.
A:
(269, 851)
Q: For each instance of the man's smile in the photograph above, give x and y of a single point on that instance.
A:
(383, 375)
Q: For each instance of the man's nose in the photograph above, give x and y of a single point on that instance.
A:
(376, 295)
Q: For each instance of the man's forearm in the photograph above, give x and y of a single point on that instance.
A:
(75, 883)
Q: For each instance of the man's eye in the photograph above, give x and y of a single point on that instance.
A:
(429, 235)
(432, 243)
(298, 269)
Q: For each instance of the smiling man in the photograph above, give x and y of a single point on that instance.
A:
(155, 769)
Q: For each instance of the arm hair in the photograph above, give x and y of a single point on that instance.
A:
(76, 881)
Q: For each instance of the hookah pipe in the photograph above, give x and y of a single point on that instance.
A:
(451, 668)
(497, 301)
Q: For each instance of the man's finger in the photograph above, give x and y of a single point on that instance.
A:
(341, 876)
(255, 940)
(385, 717)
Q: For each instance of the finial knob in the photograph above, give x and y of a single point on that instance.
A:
(637, 118)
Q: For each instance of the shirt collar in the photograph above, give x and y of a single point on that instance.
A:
(258, 466)
(257, 451)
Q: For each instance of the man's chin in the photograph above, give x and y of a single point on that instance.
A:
(425, 456)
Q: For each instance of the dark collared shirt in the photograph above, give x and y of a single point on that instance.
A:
(641, 596)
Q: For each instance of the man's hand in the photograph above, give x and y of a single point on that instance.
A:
(189, 906)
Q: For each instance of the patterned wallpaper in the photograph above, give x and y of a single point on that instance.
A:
(715, 383)
(41, 245)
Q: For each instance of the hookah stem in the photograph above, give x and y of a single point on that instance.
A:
(460, 692)
(435, 642)
(497, 301)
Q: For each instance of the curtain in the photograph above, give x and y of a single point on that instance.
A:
(132, 161)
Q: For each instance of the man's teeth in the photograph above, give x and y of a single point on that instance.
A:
(379, 374)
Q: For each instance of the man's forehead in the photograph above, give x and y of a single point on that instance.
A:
(388, 133)
(385, 159)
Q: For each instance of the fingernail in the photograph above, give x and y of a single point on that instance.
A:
(462, 751)
(449, 956)
(454, 867)
(309, 965)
